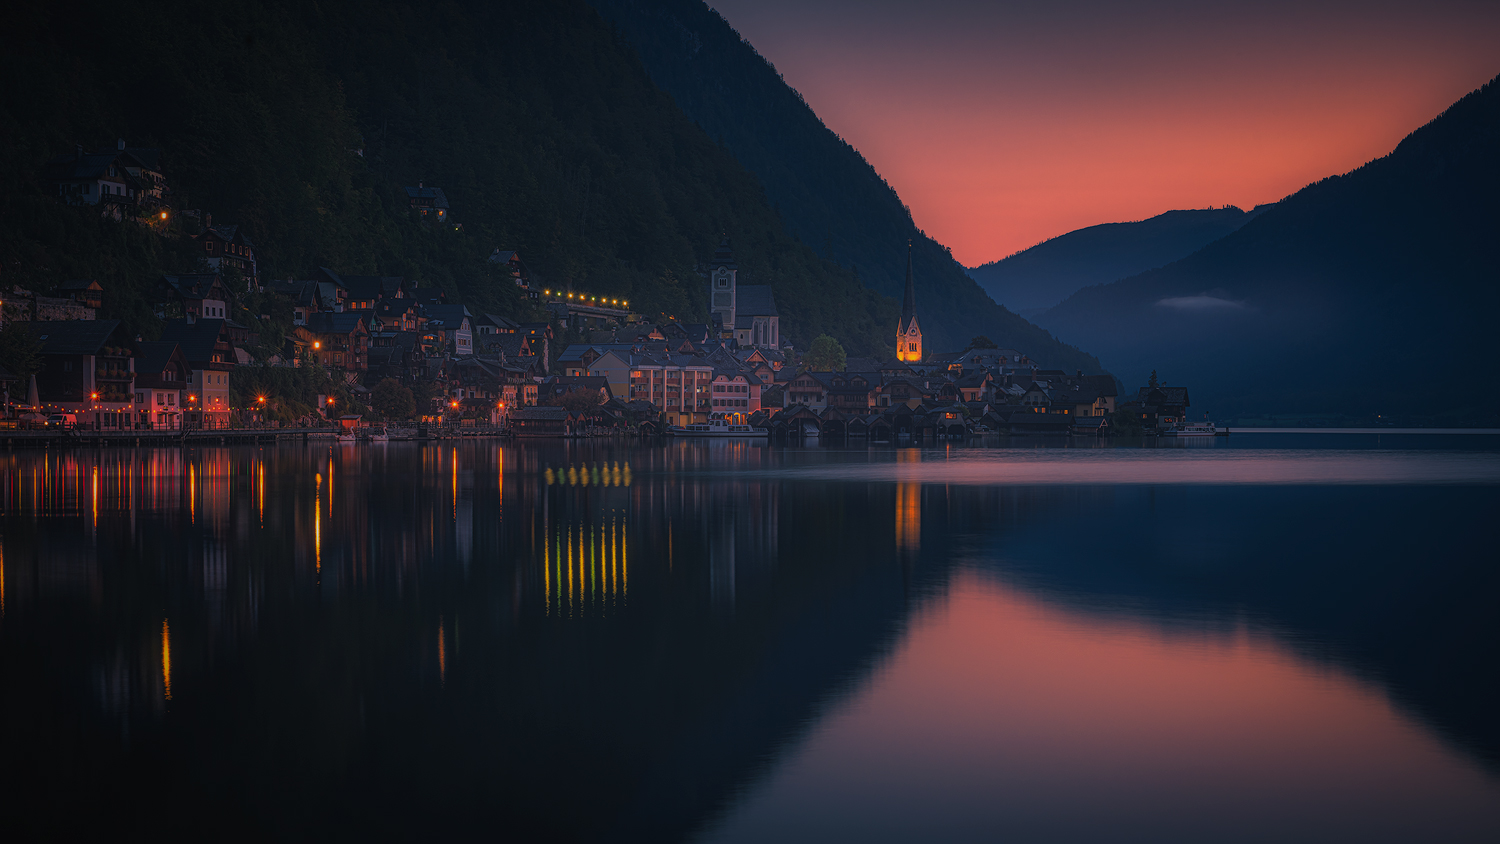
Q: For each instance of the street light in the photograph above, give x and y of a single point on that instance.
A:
(317, 344)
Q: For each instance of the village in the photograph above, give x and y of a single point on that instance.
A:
(403, 360)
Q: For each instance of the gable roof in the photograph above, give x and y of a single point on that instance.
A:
(439, 199)
(372, 287)
(155, 355)
(754, 300)
(330, 322)
(74, 336)
(197, 339)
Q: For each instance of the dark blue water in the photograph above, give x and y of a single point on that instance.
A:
(1279, 637)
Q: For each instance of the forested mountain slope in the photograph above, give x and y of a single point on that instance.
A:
(1370, 293)
(1035, 279)
(302, 123)
(830, 197)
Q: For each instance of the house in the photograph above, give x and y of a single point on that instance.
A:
(84, 291)
(430, 203)
(736, 393)
(87, 368)
(449, 328)
(192, 297)
(363, 292)
(486, 324)
(100, 178)
(339, 341)
(810, 389)
(850, 392)
(540, 422)
(228, 247)
(209, 353)
(680, 385)
(511, 261)
(161, 382)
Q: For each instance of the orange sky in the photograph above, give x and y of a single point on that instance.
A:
(1004, 125)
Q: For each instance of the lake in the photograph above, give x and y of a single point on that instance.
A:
(1275, 637)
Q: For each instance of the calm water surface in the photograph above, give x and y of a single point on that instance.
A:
(1276, 638)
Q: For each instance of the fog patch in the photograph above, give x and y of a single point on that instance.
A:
(1202, 303)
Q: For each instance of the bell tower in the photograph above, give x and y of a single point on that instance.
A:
(723, 280)
(908, 333)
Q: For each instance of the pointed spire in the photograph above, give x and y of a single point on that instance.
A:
(909, 304)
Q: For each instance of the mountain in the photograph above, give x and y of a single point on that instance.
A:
(302, 123)
(1032, 280)
(1369, 294)
(829, 196)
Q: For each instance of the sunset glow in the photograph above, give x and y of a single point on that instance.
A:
(1001, 126)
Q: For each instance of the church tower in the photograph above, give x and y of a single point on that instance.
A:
(723, 281)
(908, 334)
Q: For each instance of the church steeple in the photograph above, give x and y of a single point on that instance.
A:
(908, 334)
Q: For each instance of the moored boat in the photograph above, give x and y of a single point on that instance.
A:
(719, 425)
(1191, 429)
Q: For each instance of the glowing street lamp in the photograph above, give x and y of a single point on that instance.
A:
(317, 344)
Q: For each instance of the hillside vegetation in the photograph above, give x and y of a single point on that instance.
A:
(829, 196)
(1368, 294)
(1037, 278)
(302, 122)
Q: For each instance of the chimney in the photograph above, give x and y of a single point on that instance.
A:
(208, 220)
(1080, 373)
(120, 145)
(419, 184)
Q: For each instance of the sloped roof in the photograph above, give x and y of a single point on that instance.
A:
(197, 339)
(439, 199)
(191, 285)
(329, 322)
(540, 413)
(155, 355)
(74, 336)
(448, 316)
(75, 167)
(754, 300)
(372, 286)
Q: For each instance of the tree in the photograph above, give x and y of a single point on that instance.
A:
(982, 342)
(1153, 383)
(579, 400)
(1126, 421)
(392, 400)
(20, 351)
(826, 355)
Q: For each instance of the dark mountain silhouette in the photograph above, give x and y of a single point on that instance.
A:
(1034, 279)
(303, 123)
(829, 196)
(1363, 294)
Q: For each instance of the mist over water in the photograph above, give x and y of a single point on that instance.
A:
(588, 641)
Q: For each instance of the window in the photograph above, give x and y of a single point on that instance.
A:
(208, 247)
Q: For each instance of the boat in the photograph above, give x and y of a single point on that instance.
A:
(720, 425)
(346, 437)
(379, 435)
(1191, 429)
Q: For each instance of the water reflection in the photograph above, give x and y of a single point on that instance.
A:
(404, 640)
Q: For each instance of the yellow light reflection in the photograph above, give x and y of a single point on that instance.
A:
(442, 655)
(192, 495)
(166, 658)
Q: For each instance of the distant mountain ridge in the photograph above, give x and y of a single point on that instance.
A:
(1369, 294)
(1037, 278)
(829, 196)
